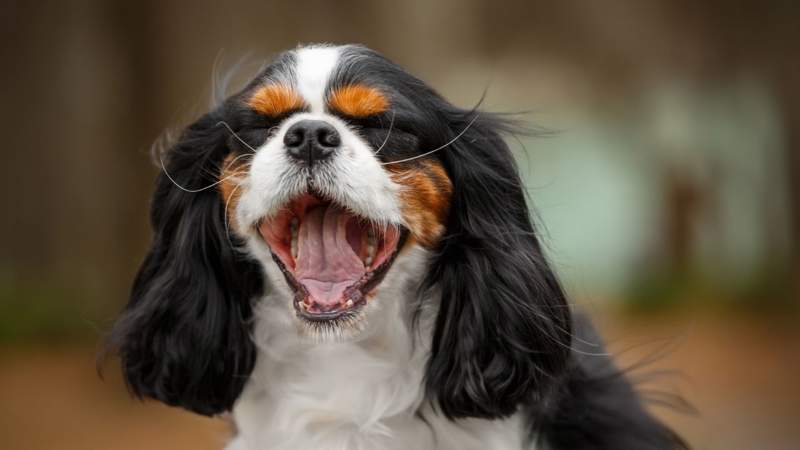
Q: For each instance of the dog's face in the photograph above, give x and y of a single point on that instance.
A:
(314, 182)
(330, 181)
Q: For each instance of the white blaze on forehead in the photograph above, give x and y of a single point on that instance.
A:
(313, 68)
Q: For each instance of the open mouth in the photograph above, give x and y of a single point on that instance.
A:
(331, 258)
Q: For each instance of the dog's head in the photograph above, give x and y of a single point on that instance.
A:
(314, 180)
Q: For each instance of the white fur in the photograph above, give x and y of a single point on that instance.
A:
(362, 393)
(362, 390)
(314, 66)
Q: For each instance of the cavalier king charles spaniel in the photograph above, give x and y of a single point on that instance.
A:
(342, 259)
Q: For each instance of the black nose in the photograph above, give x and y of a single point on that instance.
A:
(311, 140)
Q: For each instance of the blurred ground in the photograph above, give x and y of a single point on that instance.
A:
(734, 371)
(53, 398)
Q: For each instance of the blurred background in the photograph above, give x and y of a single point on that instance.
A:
(669, 197)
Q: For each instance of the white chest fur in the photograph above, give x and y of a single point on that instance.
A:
(365, 393)
(351, 396)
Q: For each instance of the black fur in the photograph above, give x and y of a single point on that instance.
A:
(502, 334)
(184, 337)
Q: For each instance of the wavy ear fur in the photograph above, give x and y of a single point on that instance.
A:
(503, 329)
(184, 337)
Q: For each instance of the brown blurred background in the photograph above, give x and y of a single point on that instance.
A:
(670, 196)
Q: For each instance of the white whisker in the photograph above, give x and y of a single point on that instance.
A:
(193, 191)
(458, 136)
(227, 203)
(225, 124)
(391, 124)
(228, 166)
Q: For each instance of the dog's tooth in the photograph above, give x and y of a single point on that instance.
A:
(371, 248)
(349, 303)
(370, 255)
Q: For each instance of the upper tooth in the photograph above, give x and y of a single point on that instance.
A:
(371, 247)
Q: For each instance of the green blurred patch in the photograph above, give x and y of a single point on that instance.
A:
(765, 293)
(659, 292)
(44, 312)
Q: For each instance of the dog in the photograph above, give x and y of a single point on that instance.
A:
(342, 259)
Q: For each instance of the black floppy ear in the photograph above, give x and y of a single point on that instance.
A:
(184, 337)
(503, 329)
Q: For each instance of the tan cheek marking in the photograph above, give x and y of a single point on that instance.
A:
(274, 100)
(231, 176)
(425, 198)
(357, 100)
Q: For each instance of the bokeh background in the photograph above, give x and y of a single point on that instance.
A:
(669, 196)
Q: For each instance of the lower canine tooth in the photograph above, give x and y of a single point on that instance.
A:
(370, 253)
(349, 303)
(371, 247)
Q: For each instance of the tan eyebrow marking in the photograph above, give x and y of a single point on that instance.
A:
(358, 100)
(275, 99)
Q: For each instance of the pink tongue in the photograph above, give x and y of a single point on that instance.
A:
(326, 264)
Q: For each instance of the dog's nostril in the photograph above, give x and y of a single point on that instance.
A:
(294, 137)
(328, 137)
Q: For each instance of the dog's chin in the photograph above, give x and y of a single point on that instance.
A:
(333, 261)
(348, 327)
